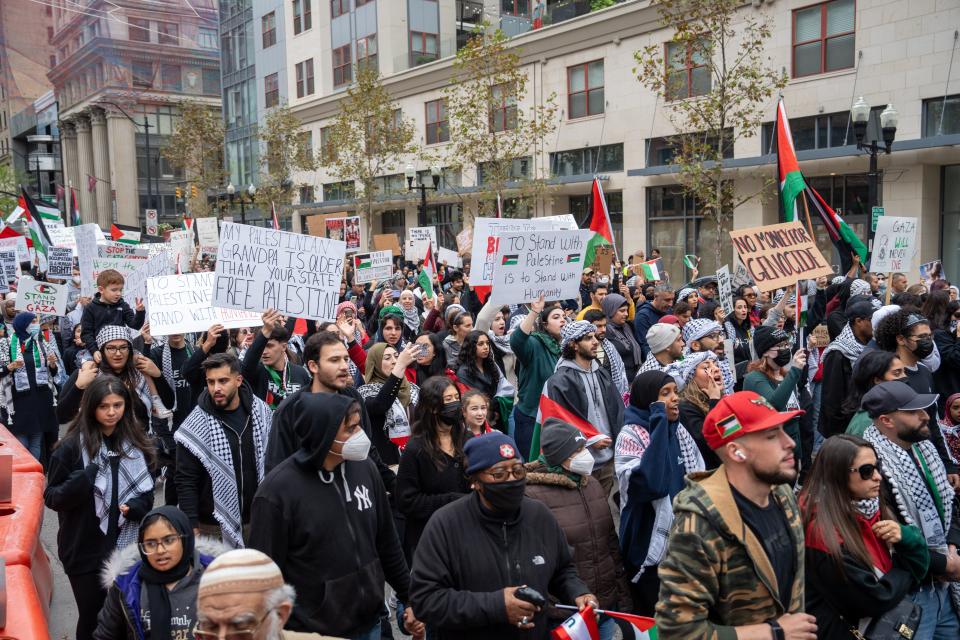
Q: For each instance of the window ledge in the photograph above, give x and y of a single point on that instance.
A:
(596, 116)
(823, 76)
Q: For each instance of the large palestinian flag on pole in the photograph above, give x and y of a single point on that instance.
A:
(796, 194)
(36, 230)
(599, 224)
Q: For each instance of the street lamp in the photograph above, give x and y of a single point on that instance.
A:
(860, 115)
(250, 191)
(411, 175)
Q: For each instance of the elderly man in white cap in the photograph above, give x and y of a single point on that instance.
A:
(666, 347)
(242, 594)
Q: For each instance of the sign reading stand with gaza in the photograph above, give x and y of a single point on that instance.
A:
(778, 255)
(260, 269)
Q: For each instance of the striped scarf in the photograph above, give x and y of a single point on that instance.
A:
(134, 479)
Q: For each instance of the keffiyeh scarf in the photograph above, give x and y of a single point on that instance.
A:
(14, 351)
(134, 479)
(847, 344)
(617, 370)
(411, 318)
(396, 424)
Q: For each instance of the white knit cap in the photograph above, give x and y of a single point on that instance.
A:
(660, 336)
(882, 313)
(240, 571)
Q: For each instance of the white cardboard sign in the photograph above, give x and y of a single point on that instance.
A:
(111, 249)
(41, 298)
(418, 239)
(181, 249)
(183, 304)
(296, 274)
(725, 289)
(535, 263)
(60, 262)
(484, 248)
(452, 258)
(894, 244)
(208, 235)
(135, 284)
(20, 244)
(376, 265)
(62, 237)
(87, 237)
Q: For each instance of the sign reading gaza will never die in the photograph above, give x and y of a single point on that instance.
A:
(260, 269)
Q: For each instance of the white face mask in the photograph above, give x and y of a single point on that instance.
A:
(582, 463)
(355, 447)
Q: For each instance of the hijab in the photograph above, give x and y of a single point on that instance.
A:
(21, 322)
(158, 596)
(373, 374)
(646, 388)
(622, 334)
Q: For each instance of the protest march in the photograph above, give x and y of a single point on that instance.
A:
(529, 435)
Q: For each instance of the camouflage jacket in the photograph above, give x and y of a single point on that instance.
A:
(716, 575)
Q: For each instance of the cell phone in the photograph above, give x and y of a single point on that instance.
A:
(531, 595)
(422, 351)
(395, 293)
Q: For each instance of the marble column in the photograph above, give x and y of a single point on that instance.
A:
(123, 166)
(68, 142)
(88, 205)
(101, 168)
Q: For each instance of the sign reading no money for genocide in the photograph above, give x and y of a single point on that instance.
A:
(260, 269)
(778, 255)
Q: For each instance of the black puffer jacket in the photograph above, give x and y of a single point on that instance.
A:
(582, 512)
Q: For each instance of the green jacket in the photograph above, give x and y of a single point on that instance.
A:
(715, 575)
(778, 396)
(537, 353)
(859, 423)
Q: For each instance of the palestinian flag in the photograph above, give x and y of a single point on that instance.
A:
(691, 261)
(43, 211)
(73, 209)
(552, 409)
(428, 273)
(580, 626)
(794, 192)
(573, 257)
(599, 224)
(124, 234)
(362, 263)
(36, 231)
(649, 270)
(510, 260)
(634, 627)
(187, 223)
(801, 313)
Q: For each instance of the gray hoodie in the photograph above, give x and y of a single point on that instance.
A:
(596, 410)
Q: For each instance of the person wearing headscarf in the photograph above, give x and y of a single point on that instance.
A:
(389, 398)
(152, 585)
(653, 453)
(28, 366)
(620, 333)
(324, 517)
(700, 384)
(411, 314)
(390, 328)
(950, 426)
(701, 334)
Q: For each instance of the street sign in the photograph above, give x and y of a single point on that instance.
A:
(151, 215)
(874, 217)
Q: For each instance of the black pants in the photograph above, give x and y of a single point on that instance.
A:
(89, 595)
(646, 592)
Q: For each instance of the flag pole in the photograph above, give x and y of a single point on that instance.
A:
(570, 607)
(806, 210)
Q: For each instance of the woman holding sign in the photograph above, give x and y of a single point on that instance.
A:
(28, 366)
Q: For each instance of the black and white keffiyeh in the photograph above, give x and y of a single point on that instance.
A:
(847, 344)
(617, 369)
(202, 435)
(134, 479)
(166, 366)
(396, 424)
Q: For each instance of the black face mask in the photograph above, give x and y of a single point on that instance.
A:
(450, 413)
(505, 497)
(783, 357)
(924, 348)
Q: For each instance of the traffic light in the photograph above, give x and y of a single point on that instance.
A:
(193, 191)
(179, 193)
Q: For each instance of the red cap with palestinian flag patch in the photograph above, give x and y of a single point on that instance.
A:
(741, 413)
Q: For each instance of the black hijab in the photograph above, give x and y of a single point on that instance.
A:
(645, 389)
(158, 596)
(321, 415)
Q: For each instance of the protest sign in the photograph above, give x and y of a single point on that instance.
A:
(464, 241)
(86, 237)
(39, 297)
(183, 304)
(181, 249)
(351, 230)
(485, 231)
(333, 228)
(418, 239)
(19, 244)
(725, 289)
(60, 262)
(125, 266)
(930, 271)
(778, 255)
(120, 250)
(894, 244)
(534, 263)
(62, 237)
(368, 267)
(387, 242)
(740, 275)
(451, 257)
(10, 266)
(603, 260)
(260, 269)
(135, 283)
(207, 232)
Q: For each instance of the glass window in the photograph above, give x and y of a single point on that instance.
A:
(941, 117)
(661, 151)
(207, 38)
(268, 25)
(424, 47)
(585, 89)
(339, 7)
(590, 160)
(394, 221)
(170, 77)
(304, 72)
(437, 125)
(327, 154)
(950, 221)
(302, 16)
(168, 33)
(822, 131)
(211, 81)
(367, 52)
(687, 73)
(515, 8)
(823, 37)
(271, 90)
(138, 30)
(518, 169)
(503, 113)
(306, 194)
(142, 74)
(338, 190)
(676, 226)
(449, 178)
(342, 71)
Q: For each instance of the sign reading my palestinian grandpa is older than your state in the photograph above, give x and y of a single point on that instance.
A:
(778, 255)
(260, 269)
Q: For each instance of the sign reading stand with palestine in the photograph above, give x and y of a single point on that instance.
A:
(368, 267)
(535, 263)
(182, 304)
(260, 269)
(778, 255)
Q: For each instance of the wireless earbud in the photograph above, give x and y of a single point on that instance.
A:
(739, 454)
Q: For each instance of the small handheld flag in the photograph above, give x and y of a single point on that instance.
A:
(691, 261)
(428, 272)
(580, 626)
(650, 271)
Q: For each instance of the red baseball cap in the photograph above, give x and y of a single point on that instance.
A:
(739, 414)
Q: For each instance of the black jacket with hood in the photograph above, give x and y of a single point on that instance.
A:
(330, 532)
(99, 314)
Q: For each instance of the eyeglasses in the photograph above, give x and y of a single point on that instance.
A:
(866, 471)
(518, 471)
(713, 336)
(150, 547)
(117, 348)
(235, 634)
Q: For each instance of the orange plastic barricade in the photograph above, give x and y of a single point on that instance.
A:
(20, 522)
(22, 460)
(24, 616)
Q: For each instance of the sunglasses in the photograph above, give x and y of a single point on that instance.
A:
(866, 471)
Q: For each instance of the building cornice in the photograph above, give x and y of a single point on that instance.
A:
(101, 47)
(608, 26)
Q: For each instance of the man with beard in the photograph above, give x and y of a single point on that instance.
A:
(734, 560)
(267, 366)
(702, 334)
(607, 354)
(915, 486)
(220, 452)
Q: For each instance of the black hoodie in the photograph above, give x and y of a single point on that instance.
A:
(99, 314)
(330, 532)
